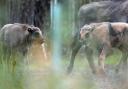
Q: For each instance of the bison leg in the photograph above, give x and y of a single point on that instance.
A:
(123, 61)
(89, 53)
(75, 50)
(13, 65)
(101, 60)
(102, 57)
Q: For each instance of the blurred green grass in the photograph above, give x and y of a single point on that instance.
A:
(10, 77)
(114, 58)
(28, 77)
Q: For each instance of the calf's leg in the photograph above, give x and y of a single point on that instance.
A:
(123, 61)
(102, 57)
(89, 56)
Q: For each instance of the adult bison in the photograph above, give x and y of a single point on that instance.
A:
(16, 39)
(104, 37)
(103, 11)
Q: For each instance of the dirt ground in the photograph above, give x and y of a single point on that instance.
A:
(40, 74)
(43, 76)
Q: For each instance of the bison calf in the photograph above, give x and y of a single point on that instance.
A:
(76, 45)
(17, 38)
(106, 36)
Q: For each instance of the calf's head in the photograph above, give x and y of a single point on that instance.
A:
(35, 35)
(85, 31)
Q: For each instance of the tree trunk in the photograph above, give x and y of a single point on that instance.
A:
(34, 12)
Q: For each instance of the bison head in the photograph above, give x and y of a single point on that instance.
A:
(35, 35)
(85, 31)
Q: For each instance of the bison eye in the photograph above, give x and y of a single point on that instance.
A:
(30, 30)
(87, 35)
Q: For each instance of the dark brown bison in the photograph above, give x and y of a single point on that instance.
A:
(104, 37)
(17, 38)
(111, 11)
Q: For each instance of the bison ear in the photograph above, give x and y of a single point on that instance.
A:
(30, 30)
(32, 25)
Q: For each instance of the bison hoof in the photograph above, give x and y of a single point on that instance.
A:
(94, 71)
(101, 72)
(69, 70)
(117, 70)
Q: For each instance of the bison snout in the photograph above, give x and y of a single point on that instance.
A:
(81, 35)
(42, 41)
